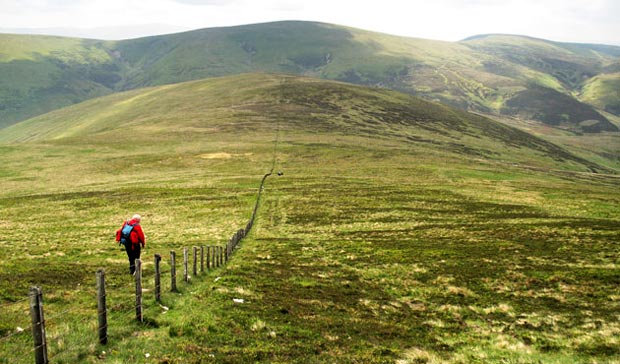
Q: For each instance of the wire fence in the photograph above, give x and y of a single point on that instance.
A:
(15, 323)
(126, 299)
(125, 304)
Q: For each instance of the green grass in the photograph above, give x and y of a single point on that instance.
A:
(603, 92)
(399, 232)
(470, 75)
(32, 47)
(557, 109)
(40, 74)
(43, 73)
(603, 148)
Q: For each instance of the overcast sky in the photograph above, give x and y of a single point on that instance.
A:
(591, 21)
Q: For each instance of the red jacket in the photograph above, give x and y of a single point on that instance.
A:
(137, 235)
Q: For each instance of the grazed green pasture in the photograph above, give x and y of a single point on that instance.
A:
(370, 248)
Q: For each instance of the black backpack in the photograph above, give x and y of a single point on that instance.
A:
(126, 234)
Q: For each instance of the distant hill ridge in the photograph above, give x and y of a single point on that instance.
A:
(495, 74)
(609, 50)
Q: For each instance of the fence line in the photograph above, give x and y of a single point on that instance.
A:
(107, 313)
(216, 257)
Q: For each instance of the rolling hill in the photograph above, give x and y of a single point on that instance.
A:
(494, 74)
(399, 230)
(319, 105)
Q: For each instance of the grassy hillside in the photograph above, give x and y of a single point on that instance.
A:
(557, 71)
(565, 65)
(481, 74)
(401, 231)
(557, 109)
(602, 148)
(399, 117)
(603, 91)
(42, 73)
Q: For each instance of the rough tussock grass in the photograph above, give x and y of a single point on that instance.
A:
(367, 249)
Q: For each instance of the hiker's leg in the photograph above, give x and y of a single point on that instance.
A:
(131, 258)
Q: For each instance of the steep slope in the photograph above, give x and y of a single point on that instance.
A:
(304, 104)
(483, 74)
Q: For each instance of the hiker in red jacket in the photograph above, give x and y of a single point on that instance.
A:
(131, 236)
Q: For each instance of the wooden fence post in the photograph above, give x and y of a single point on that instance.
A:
(213, 260)
(173, 271)
(139, 290)
(202, 259)
(195, 266)
(216, 259)
(208, 248)
(215, 263)
(226, 248)
(102, 311)
(157, 278)
(185, 272)
(38, 325)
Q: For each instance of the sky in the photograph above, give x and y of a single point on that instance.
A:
(582, 21)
